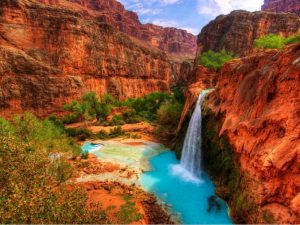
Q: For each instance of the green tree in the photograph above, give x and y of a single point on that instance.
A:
(270, 41)
(215, 60)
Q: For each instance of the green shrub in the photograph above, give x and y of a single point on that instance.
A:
(130, 116)
(116, 132)
(169, 113)
(80, 133)
(135, 136)
(61, 170)
(102, 135)
(128, 212)
(293, 39)
(117, 120)
(30, 179)
(270, 41)
(215, 60)
(57, 122)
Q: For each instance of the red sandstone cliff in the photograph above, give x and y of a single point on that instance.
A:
(292, 6)
(257, 105)
(172, 40)
(237, 31)
(50, 55)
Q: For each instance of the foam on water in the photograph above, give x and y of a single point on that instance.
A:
(185, 175)
(186, 195)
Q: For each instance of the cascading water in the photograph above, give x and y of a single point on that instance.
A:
(191, 153)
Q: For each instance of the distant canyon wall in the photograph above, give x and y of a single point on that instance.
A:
(292, 6)
(50, 55)
(171, 40)
(237, 31)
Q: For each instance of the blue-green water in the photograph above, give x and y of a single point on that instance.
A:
(187, 195)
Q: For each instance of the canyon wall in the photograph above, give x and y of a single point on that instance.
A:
(171, 40)
(237, 31)
(50, 55)
(256, 108)
(292, 6)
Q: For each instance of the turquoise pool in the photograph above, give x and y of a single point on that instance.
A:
(186, 195)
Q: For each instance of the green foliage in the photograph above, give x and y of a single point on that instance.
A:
(103, 135)
(169, 113)
(270, 41)
(130, 116)
(147, 107)
(61, 170)
(178, 93)
(293, 39)
(80, 133)
(116, 132)
(33, 156)
(90, 107)
(117, 120)
(128, 212)
(215, 60)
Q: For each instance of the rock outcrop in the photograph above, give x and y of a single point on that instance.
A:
(257, 105)
(292, 6)
(50, 55)
(171, 40)
(237, 31)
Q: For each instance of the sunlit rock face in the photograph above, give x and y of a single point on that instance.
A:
(292, 6)
(259, 103)
(50, 55)
(171, 40)
(237, 31)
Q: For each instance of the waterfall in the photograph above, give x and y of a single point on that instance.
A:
(191, 153)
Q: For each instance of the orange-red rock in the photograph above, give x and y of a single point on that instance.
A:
(237, 31)
(50, 55)
(171, 40)
(282, 6)
(260, 107)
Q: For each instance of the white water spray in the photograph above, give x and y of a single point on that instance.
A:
(191, 153)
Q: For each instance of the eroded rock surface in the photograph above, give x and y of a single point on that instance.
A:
(50, 55)
(172, 40)
(292, 6)
(237, 31)
(257, 102)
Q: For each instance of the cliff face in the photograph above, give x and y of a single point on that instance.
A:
(237, 31)
(257, 104)
(50, 55)
(171, 40)
(292, 6)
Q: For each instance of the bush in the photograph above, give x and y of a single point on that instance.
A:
(117, 120)
(102, 135)
(29, 178)
(293, 39)
(131, 116)
(61, 170)
(169, 113)
(270, 41)
(80, 133)
(116, 132)
(128, 212)
(215, 60)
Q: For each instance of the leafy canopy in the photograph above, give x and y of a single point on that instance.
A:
(215, 60)
(273, 41)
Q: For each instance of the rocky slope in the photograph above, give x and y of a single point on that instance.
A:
(50, 55)
(251, 135)
(292, 6)
(172, 40)
(237, 31)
